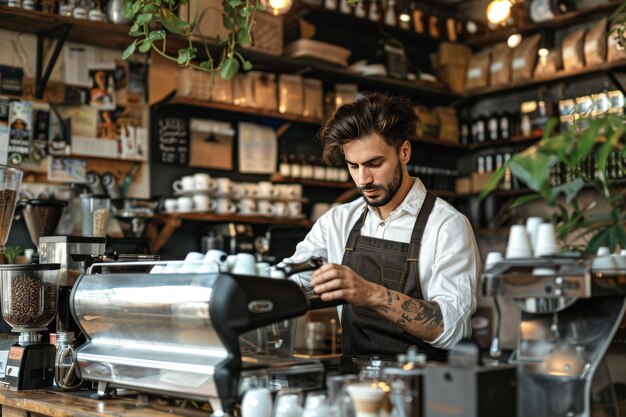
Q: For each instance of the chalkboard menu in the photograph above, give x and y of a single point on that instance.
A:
(172, 141)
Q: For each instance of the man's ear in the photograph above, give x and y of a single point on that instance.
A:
(405, 152)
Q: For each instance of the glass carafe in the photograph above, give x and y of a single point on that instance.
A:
(10, 180)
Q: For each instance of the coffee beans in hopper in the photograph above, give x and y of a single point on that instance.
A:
(32, 302)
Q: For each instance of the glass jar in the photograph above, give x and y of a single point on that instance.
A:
(65, 374)
(95, 214)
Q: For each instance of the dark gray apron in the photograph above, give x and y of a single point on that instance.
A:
(394, 265)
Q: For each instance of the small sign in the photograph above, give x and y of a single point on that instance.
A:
(172, 141)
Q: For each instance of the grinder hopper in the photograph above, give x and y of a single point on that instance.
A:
(10, 180)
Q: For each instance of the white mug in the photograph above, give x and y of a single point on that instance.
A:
(203, 182)
(294, 209)
(263, 269)
(171, 205)
(280, 209)
(225, 206)
(245, 264)
(202, 202)
(224, 186)
(256, 402)
(186, 183)
(247, 206)
(184, 204)
(265, 189)
(250, 189)
(218, 257)
(265, 208)
(239, 189)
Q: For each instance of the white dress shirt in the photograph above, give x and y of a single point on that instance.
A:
(449, 261)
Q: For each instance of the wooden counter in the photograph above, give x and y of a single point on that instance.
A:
(35, 403)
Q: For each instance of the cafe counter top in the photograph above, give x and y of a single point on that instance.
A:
(36, 403)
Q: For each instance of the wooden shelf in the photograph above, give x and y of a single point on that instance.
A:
(242, 110)
(515, 140)
(575, 17)
(430, 140)
(558, 77)
(113, 36)
(313, 183)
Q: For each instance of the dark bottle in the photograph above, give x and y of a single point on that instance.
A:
(466, 137)
(505, 126)
(492, 127)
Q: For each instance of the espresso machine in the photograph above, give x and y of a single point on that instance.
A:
(571, 351)
(180, 334)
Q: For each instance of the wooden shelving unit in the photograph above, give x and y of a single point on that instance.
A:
(575, 17)
(559, 77)
(172, 221)
(313, 183)
(515, 140)
(116, 37)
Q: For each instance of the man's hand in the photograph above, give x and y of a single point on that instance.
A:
(334, 282)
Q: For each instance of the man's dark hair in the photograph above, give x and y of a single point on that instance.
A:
(391, 117)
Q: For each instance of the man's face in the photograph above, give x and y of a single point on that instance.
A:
(375, 167)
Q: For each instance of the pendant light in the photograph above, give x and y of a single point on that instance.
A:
(278, 7)
(499, 11)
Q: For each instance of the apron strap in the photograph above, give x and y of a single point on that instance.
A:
(420, 225)
(356, 231)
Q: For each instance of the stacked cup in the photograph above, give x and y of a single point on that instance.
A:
(519, 243)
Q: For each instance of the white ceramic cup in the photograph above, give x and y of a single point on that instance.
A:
(225, 206)
(245, 264)
(294, 209)
(294, 191)
(218, 257)
(619, 260)
(281, 209)
(186, 183)
(184, 204)
(224, 186)
(604, 263)
(603, 251)
(194, 257)
(203, 202)
(250, 189)
(263, 269)
(203, 182)
(492, 259)
(247, 206)
(207, 268)
(230, 262)
(546, 240)
(288, 405)
(518, 245)
(532, 225)
(256, 402)
(238, 189)
(265, 208)
(265, 189)
(171, 205)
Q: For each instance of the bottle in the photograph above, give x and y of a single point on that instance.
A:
(344, 7)
(359, 10)
(307, 168)
(284, 168)
(80, 10)
(480, 164)
(505, 126)
(434, 27)
(480, 130)
(506, 183)
(390, 13)
(296, 167)
(64, 376)
(418, 21)
(66, 7)
(492, 127)
(374, 12)
(319, 171)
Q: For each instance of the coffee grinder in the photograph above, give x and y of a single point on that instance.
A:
(75, 254)
(29, 303)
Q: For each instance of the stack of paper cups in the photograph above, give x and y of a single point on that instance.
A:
(518, 245)
(546, 240)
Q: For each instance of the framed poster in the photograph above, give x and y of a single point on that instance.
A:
(258, 147)
(211, 144)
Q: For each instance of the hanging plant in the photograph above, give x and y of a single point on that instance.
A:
(154, 20)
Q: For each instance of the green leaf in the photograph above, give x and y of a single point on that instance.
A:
(127, 9)
(143, 18)
(235, 3)
(533, 168)
(157, 35)
(173, 23)
(129, 51)
(228, 22)
(520, 201)
(570, 189)
(610, 236)
(243, 37)
(246, 65)
(493, 182)
(186, 55)
(145, 46)
(136, 7)
(586, 142)
(230, 68)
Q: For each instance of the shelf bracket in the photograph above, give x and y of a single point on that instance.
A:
(159, 239)
(41, 76)
(282, 130)
(615, 80)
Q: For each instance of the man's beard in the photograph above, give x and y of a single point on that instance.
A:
(389, 190)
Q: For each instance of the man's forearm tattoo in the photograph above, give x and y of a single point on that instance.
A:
(426, 312)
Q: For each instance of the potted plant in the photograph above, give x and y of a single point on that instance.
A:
(578, 227)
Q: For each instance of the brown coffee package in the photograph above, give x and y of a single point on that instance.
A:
(595, 44)
(429, 122)
(549, 65)
(500, 68)
(478, 71)
(615, 51)
(525, 58)
(448, 124)
(573, 51)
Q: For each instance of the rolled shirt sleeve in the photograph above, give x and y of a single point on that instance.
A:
(453, 279)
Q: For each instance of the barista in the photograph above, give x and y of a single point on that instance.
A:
(404, 260)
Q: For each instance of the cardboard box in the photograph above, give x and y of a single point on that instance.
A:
(479, 181)
(463, 185)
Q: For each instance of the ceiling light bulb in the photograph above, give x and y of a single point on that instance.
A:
(514, 40)
(277, 7)
(543, 52)
(404, 17)
(499, 11)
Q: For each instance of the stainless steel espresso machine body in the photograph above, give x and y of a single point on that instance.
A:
(178, 334)
(570, 356)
